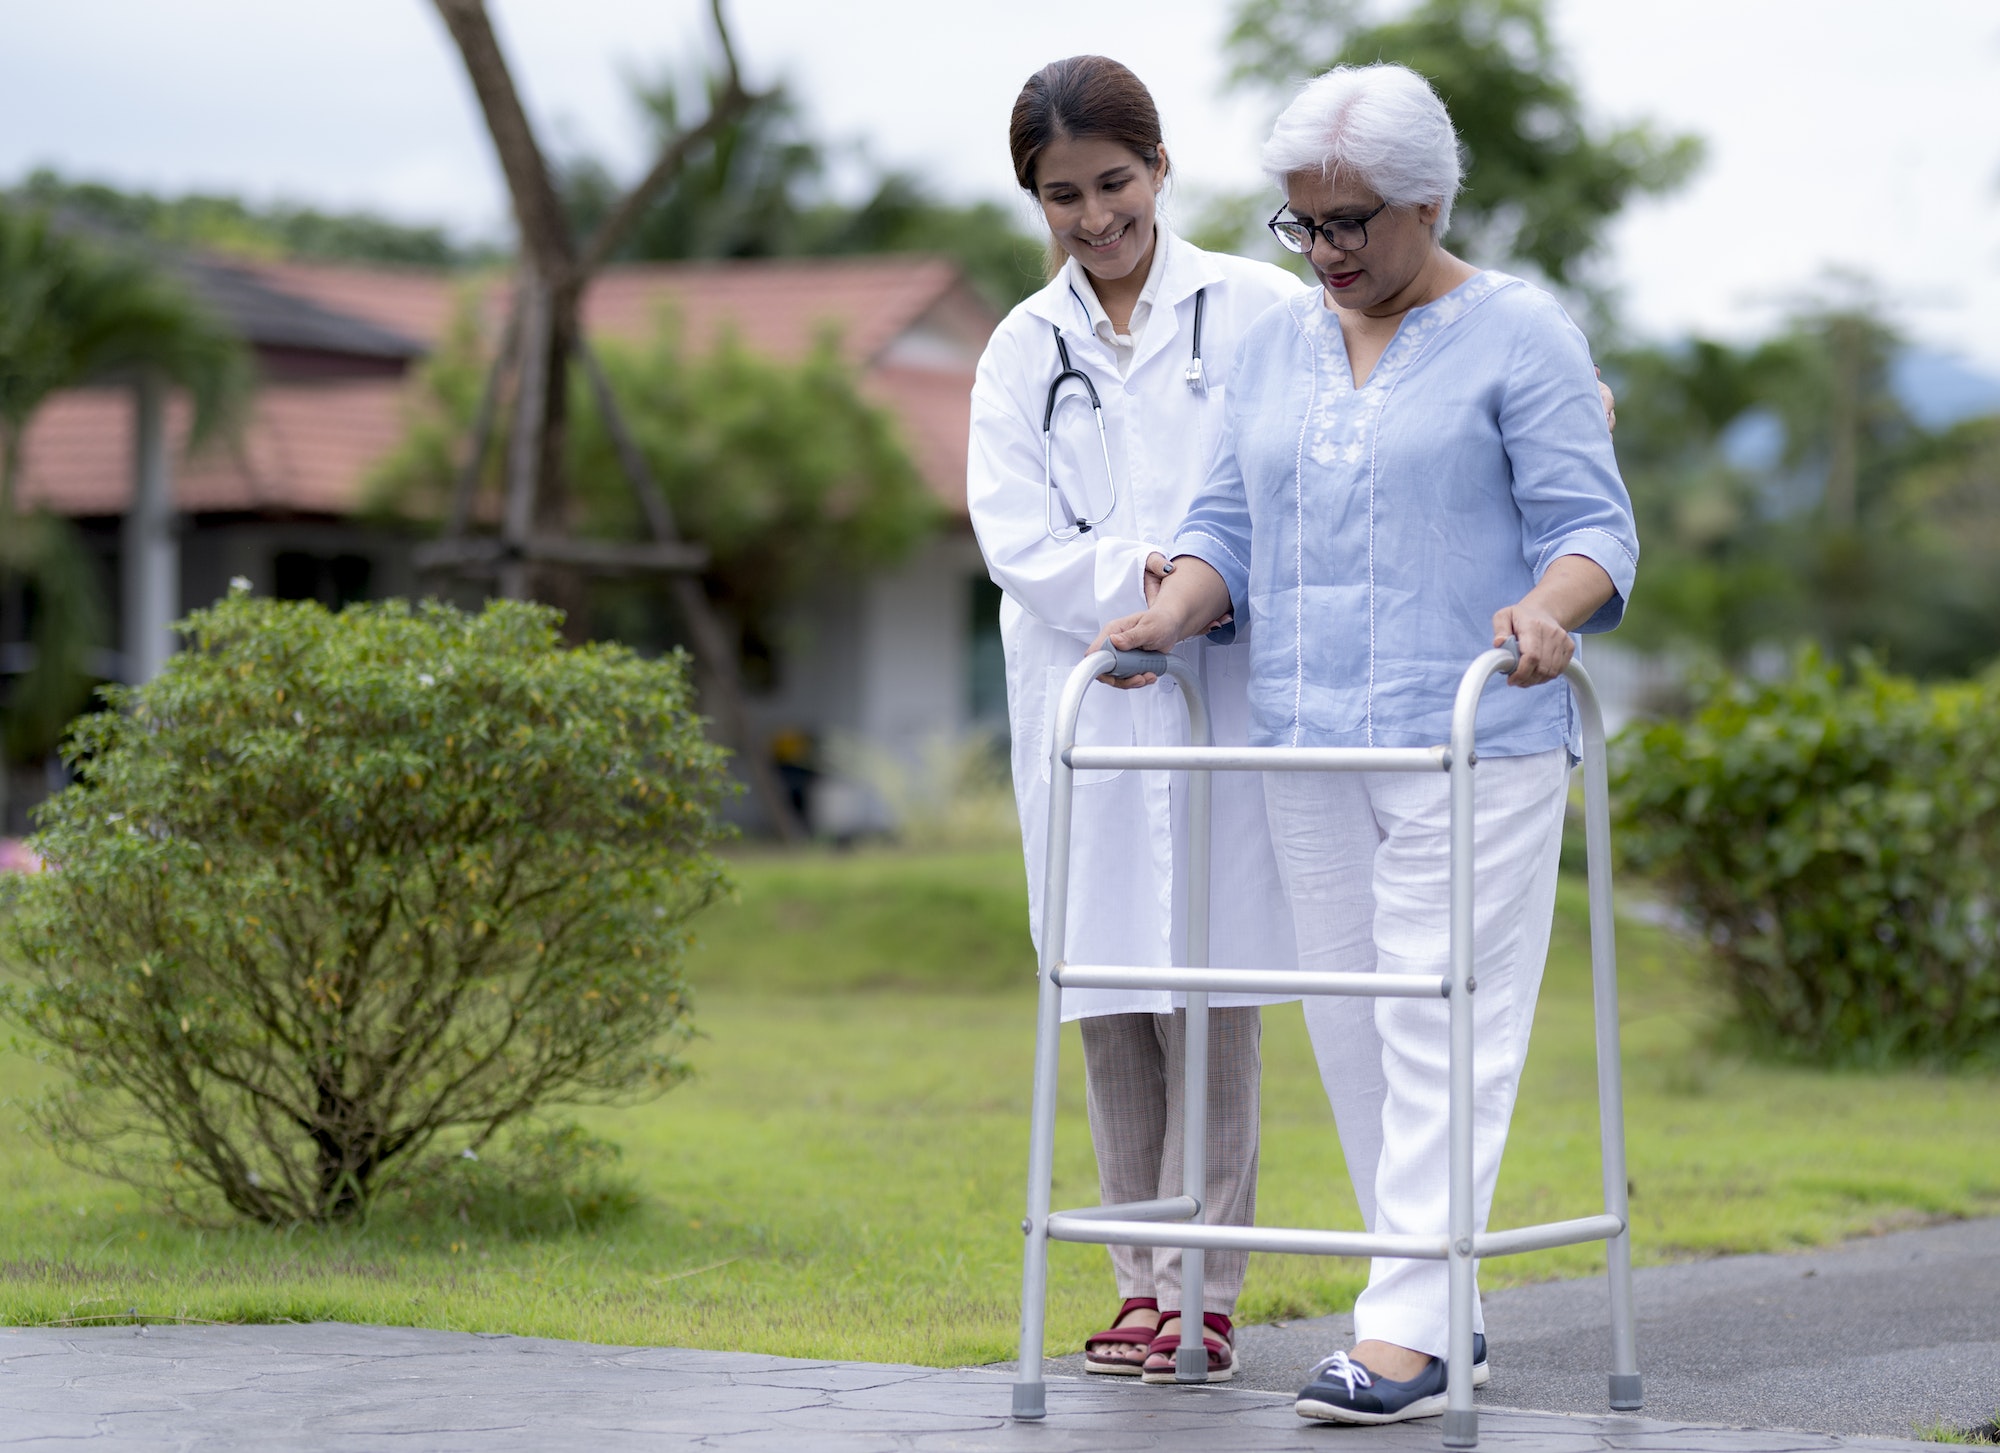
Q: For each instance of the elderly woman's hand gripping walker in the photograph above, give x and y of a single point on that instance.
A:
(1416, 460)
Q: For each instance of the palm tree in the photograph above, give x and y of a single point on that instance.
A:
(73, 311)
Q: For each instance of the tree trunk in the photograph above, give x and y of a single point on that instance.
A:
(544, 229)
(551, 334)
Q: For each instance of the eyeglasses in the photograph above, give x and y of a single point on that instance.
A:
(1347, 234)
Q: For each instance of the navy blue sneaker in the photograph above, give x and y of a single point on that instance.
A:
(1343, 1391)
(1481, 1373)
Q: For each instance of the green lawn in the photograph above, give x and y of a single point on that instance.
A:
(843, 1178)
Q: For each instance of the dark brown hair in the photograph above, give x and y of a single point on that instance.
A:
(1085, 98)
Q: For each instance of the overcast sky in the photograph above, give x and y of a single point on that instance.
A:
(1842, 134)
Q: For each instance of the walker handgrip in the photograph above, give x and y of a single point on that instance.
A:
(1513, 648)
(1138, 663)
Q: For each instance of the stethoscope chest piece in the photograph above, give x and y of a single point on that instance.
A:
(1197, 379)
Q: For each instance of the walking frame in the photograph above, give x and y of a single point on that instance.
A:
(1178, 1220)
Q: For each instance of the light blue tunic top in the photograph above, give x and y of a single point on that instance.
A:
(1373, 532)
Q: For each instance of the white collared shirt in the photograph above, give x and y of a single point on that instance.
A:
(1125, 346)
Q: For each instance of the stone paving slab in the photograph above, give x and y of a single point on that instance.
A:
(332, 1388)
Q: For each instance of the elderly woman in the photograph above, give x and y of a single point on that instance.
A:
(1417, 465)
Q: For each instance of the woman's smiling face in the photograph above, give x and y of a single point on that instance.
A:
(1099, 198)
(1370, 277)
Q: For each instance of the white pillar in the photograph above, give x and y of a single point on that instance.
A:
(150, 542)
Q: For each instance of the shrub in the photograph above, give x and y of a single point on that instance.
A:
(335, 891)
(1837, 841)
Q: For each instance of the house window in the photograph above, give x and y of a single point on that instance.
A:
(987, 686)
(332, 580)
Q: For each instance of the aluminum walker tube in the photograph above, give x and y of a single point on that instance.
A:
(1461, 1423)
(1030, 1392)
(1626, 1394)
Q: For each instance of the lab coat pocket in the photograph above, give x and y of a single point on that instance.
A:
(1105, 721)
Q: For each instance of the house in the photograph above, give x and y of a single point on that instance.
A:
(895, 661)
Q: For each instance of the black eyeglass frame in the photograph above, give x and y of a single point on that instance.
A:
(1281, 226)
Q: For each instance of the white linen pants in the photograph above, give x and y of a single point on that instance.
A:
(1366, 861)
(1133, 1066)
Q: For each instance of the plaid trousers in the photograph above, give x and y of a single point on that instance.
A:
(1133, 1067)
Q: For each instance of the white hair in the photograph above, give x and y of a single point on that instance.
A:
(1382, 126)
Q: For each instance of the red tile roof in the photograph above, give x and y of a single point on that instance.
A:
(309, 445)
(307, 449)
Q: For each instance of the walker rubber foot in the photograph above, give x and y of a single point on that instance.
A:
(1031, 1400)
(1461, 1430)
(1625, 1396)
(1191, 1363)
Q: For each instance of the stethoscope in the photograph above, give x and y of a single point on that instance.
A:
(1197, 383)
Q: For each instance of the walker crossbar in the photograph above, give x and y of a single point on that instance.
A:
(1296, 1242)
(1176, 1221)
(1252, 981)
(1259, 759)
(1101, 1225)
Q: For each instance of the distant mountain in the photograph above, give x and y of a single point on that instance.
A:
(1939, 389)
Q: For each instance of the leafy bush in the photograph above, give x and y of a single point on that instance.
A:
(1838, 841)
(335, 892)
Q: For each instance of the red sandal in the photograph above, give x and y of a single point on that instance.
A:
(1221, 1349)
(1123, 1336)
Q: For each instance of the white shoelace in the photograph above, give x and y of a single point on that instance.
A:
(1345, 1368)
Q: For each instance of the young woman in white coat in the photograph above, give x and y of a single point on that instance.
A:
(1072, 525)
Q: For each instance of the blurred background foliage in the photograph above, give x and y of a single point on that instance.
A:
(1788, 490)
(769, 186)
(217, 222)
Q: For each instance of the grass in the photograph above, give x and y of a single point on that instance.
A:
(1985, 1434)
(843, 1177)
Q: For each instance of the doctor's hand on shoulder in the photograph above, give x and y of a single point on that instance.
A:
(1190, 600)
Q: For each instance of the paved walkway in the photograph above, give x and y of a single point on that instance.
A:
(1801, 1329)
(330, 1388)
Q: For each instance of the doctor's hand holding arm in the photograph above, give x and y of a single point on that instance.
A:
(1188, 602)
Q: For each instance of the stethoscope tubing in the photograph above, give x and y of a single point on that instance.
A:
(1196, 382)
(1071, 371)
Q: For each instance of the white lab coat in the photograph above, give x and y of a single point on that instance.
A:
(1129, 831)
